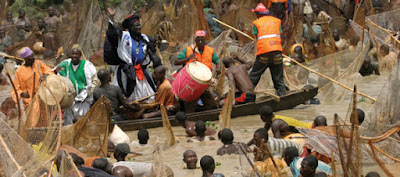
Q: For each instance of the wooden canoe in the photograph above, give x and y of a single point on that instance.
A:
(288, 101)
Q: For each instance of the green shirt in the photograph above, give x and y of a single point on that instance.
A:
(182, 56)
(77, 77)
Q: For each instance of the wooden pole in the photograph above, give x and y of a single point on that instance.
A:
(340, 145)
(248, 160)
(272, 159)
(383, 29)
(73, 164)
(59, 118)
(358, 56)
(144, 98)
(3, 143)
(276, 97)
(334, 81)
(380, 163)
(18, 105)
(222, 23)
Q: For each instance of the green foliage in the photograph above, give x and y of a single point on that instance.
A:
(108, 3)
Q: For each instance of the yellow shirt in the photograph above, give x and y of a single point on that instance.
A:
(294, 122)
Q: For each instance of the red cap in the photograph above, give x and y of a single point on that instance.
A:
(260, 8)
(200, 33)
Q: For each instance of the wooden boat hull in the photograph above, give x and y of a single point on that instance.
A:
(288, 101)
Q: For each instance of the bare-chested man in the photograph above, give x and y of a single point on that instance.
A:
(8, 22)
(23, 26)
(298, 7)
(51, 43)
(239, 79)
(190, 125)
(229, 146)
(5, 40)
(227, 6)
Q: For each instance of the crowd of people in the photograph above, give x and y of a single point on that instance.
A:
(139, 86)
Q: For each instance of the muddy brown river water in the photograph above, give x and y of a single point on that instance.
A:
(243, 128)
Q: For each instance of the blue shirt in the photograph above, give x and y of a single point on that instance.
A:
(296, 164)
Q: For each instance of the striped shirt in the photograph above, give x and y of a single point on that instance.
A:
(277, 146)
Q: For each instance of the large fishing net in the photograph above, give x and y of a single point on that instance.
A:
(342, 66)
(18, 158)
(90, 133)
(41, 129)
(358, 148)
(67, 166)
(384, 116)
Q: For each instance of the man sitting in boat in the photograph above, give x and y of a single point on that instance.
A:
(200, 129)
(190, 125)
(205, 54)
(239, 79)
(164, 95)
(113, 94)
(229, 146)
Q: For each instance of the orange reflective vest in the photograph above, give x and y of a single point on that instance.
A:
(205, 58)
(278, 1)
(269, 34)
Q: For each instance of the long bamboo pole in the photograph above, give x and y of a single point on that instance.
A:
(18, 104)
(73, 165)
(3, 143)
(353, 63)
(248, 160)
(332, 80)
(383, 29)
(59, 113)
(244, 34)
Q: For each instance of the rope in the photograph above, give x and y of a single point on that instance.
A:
(380, 163)
(384, 153)
(290, 83)
(383, 136)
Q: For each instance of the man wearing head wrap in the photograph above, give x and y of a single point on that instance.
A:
(132, 51)
(27, 77)
(82, 74)
(205, 54)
